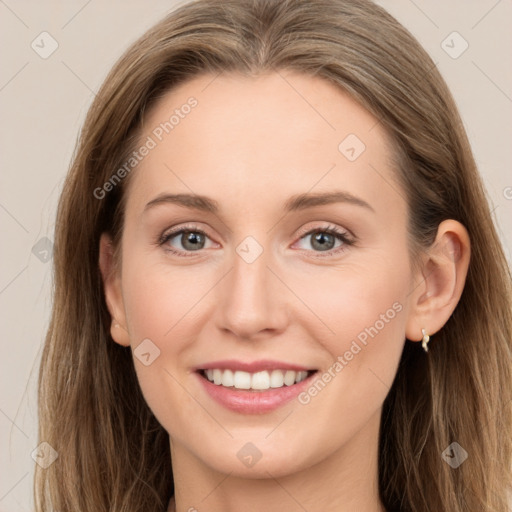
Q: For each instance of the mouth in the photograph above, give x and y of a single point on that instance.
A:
(259, 381)
(255, 387)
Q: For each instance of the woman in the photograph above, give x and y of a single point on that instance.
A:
(270, 206)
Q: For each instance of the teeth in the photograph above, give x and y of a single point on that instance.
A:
(228, 379)
(242, 380)
(217, 376)
(289, 378)
(276, 379)
(258, 381)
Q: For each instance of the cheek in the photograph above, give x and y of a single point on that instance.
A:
(166, 304)
(360, 301)
(160, 306)
(160, 301)
(365, 310)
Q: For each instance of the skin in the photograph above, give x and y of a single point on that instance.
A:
(250, 144)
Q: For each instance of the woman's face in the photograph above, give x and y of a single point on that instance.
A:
(265, 169)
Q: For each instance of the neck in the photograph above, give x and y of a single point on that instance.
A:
(343, 481)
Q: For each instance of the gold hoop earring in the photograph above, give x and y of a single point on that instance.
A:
(425, 340)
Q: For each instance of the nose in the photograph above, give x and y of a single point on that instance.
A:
(252, 300)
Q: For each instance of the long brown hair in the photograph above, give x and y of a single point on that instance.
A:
(113, 453)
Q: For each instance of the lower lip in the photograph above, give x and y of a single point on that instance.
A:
(253, 402)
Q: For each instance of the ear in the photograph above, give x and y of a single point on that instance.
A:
(441, 281)
(113, 293)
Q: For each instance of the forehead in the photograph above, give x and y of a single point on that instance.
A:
(246, 140)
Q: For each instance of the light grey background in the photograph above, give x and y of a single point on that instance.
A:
(43, 103)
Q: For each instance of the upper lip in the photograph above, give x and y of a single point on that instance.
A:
(253, 366)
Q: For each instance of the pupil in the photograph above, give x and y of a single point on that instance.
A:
(320, 238)
(192, 238)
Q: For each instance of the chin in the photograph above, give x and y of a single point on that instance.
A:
(255, 459)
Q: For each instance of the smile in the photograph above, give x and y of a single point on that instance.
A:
(257, 387)
(259, 381)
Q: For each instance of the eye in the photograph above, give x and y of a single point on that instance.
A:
(323, 239)
(191, 239)
(185, 241)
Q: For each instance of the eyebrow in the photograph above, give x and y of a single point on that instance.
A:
(308, 200)
(295, 203)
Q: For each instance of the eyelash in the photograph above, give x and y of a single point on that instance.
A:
(331, 230)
